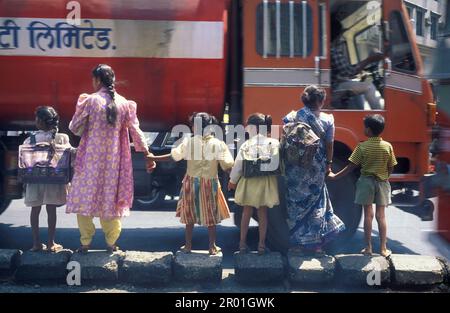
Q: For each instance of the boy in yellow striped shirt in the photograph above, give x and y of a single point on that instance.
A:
(377, 160)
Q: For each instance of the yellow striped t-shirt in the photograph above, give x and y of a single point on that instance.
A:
(375, 156)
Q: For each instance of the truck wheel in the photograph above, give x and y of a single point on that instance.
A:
(277, 227)
(342, 194)
(152, 201)
(237, 216)
(426, 210)
(4, 203)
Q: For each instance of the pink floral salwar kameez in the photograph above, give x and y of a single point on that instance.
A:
(102, 185)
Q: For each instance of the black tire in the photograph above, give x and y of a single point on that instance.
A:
(153, 200)
(4, 203)
(277, 228)
(426, 210)
(237, 216)
(342, 194)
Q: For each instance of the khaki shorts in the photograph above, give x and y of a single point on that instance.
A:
(371, 190)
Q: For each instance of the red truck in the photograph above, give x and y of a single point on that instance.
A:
(226, 57)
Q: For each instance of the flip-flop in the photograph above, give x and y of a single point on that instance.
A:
(55, 248)
(365, 252)
(41, 248)
(387, 254)
(185, 250)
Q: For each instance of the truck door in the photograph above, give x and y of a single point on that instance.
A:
(407, 94)
(404, 66)
(281, 54)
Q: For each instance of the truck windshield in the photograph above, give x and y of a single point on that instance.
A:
(400, 48)
(368, 41)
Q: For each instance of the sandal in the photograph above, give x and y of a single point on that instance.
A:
(55, 248)
(82, 249)
(366, 252)
(113, 248)
(40, 248)
(185, 250)
(215, 250)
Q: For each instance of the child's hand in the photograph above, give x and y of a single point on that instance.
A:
(332, 176)
(231, 186)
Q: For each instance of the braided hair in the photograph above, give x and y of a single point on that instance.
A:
(49, 117)
(106, 76)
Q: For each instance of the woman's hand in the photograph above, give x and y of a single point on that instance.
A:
(231, 186)
(328, 169)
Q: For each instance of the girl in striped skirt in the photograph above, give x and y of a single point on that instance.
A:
(201, 199)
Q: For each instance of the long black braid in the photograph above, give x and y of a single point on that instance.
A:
(106, 75)
(49, 117)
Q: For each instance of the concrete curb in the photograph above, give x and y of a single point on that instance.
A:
(251, 268)
(43, 266)
(416, 270)
(9, 261)
(310, 269)
(161, 268)
(99, 266)
(197, 266)
(360, 270)
(146, 268)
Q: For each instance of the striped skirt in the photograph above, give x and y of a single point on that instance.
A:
(202, 202)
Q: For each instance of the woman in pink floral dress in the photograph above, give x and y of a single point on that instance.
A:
(102, 185)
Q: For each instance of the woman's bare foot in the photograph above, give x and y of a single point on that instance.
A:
(113, 248)
(83, 249)
(386, 252)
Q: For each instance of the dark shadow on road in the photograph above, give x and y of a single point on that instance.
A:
(356, 244)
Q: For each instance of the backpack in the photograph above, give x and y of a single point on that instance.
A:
(44, 163)
(261, 164)
(299, 143)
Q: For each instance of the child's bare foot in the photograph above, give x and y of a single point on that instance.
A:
(243, 248)
(186, 249)
(385, 252)
(214, 250)
(367, 251)
(38, 247)
(54, 247)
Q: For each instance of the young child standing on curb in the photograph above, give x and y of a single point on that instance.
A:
(377, 160)
(50, 195)
(201, 199)
(261, 191)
